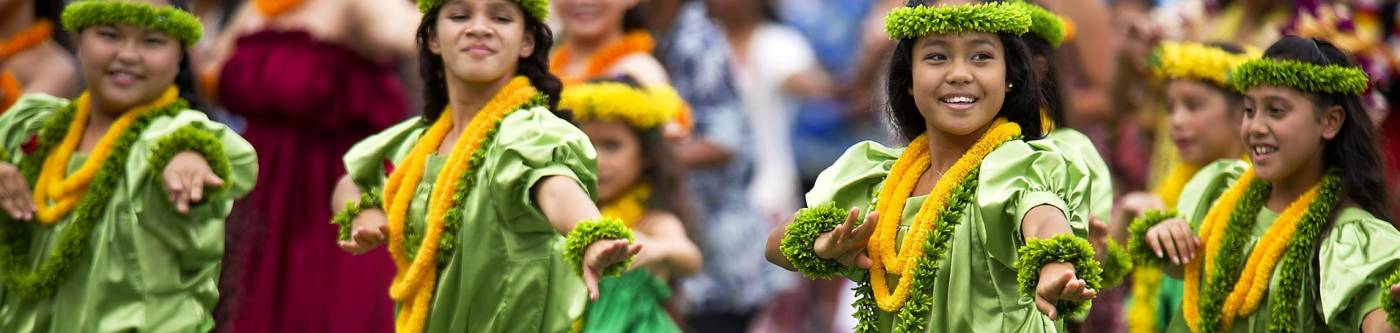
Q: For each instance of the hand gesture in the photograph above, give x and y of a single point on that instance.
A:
(185, 178)
(599, 256)
(846, 243)
(367, 232)
(1059, 283)
(1175, 238)
(15, 196)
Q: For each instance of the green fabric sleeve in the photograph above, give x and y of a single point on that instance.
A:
(365, 161)
(1205, 187)
(1020, 176)
(24, 120)
(853, 181)
(1355, 256)
(1086, 159)
(531, 145)
(200, 231)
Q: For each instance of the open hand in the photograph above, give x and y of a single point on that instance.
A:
(15, 196)
(367, 232)
(846, 243)
(599, 256)
(1174, 238)
(185, 178)
(1059, 283)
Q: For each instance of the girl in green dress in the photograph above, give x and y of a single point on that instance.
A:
(1297, 241)
(639, 183)
(124, 227)
(1204, 113)
(474, 197)
(974, 226)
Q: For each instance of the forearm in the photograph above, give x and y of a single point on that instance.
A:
(680, 256)
(563, 202)
(1044, 222)
(702, 154)
(1375, 322)
(345, 191)
(773, 252)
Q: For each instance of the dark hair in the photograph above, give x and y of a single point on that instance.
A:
(186, 79)
(1354, 150)
(535, 67)
(664, 172)
(1048, 77)
(635, 18)
(52, 10)
(1022, 103)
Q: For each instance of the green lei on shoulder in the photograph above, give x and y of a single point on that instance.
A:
(413, 238)
(15, 236)
(1231, 257)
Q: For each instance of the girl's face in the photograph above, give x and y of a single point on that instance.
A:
(126, 65)
(1285, 131)
(620, 161)
(592, 19)
(1203, 125)
(481, 40)
(959, 80)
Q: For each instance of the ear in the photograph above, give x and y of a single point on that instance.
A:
(527, 46)
(1332, 120)
(433, 44)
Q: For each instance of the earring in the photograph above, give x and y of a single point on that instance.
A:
(1010, 85)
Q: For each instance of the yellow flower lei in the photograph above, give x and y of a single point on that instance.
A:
(1142, 313)
(641, 108)
(414, 281)
(631, 43)
(630, 207)
(898, 186)
(1210, 231)
(1249, 289)
(1196, 61)
(63, 192)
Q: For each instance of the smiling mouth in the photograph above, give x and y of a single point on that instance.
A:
(1263, 151)
(959, 102)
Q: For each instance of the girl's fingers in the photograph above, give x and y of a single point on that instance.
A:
(1154, 240)
(1186, 243)
(1169, 242)
(1046, 307)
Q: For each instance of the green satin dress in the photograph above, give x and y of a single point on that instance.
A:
(632, 302)
(975, 289)
(1077, 147)
(507, 273)
(147, 268)
(1354, 255)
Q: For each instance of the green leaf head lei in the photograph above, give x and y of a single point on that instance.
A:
(992, 17)
(1321, 79)
(1045, 24)
(178, 23)
(539, 9)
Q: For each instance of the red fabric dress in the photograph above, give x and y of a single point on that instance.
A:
(306, 102)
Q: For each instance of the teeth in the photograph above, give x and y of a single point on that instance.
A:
(959, 99)
(1261, 150)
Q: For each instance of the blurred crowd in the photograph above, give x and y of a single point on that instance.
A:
(779, 89)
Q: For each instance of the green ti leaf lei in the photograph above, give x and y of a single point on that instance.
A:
(72, 243)
(452, 220)
(1231, 257)
(1391, 306)
(1137, 238)
(801, 236)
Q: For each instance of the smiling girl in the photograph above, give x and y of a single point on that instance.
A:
(1298, 240)
(124, 228)
(971, 227)
(478, 192)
